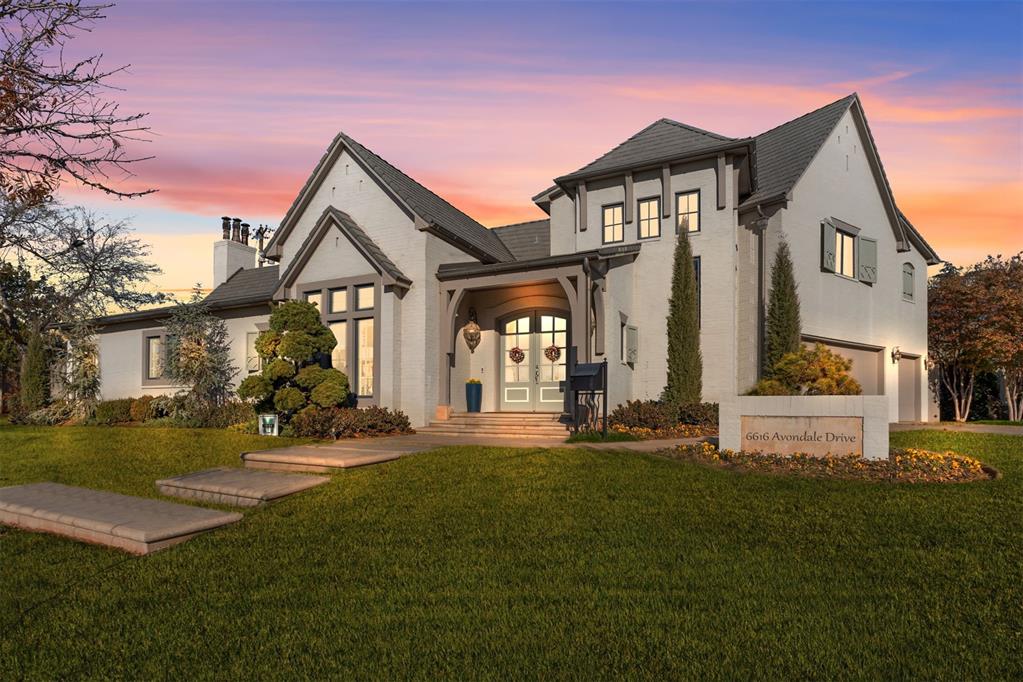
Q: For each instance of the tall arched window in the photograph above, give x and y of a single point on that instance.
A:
(908, 283)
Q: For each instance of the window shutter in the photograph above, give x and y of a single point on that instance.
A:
(867, 260)
(827, 247)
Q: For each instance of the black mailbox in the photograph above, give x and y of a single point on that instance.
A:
(588, 376)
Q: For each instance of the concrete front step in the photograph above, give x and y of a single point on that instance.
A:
(468, 432)
(237, 487)
(134, 524)
(317, 459)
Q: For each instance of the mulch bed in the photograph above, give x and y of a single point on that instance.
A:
(908, 465)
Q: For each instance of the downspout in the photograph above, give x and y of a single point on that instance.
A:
(760, 230)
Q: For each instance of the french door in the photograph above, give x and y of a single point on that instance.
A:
(534, 349)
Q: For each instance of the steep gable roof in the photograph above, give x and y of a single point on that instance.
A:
(333, 217)
(784, 153)
(662, 140)
(527, 240)
(436, 214)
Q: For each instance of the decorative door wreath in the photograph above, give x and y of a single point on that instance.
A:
(552, 353)
(517, 355)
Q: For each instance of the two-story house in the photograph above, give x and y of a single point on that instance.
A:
(397, 272)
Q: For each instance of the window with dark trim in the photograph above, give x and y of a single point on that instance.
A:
(349, 309)
(155, 350)
(649, 212)
(253, 363)
(687, 211)
(154, 357)
(908, 281)
(613, 220)
(314, 297)
(845, 254)
(339, 300)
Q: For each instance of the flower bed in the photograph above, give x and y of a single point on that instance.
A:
(903, 465)
(677, 431)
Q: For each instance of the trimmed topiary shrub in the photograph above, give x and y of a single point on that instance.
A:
(332, 392)
(113, 411)
(294, 348)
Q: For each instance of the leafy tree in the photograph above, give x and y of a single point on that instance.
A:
(959, 335)
(783, 326)
(79, 358)
(685, 365)
(31, 300)
(810, 371)
(292, 377)
(199, 354)
(1001, 283)
(35, 372)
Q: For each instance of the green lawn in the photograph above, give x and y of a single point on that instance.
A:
(503, 563)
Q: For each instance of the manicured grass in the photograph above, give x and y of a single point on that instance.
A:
(504, 563)
(997, 422)
(598, 437)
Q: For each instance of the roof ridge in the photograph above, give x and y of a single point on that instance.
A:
(849, 97)
(622, 143)
(694, 129)
(351, 139)
(524, 222)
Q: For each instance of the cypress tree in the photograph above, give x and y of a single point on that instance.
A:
(685, 365)
(783, 326)
(35, 374)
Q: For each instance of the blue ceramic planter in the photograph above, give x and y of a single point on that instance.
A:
(473, 397)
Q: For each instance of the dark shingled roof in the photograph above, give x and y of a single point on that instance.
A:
(784, 153)
(663, 139)
(431, 207)
(352, 229)
(527, 240)
(250, 286)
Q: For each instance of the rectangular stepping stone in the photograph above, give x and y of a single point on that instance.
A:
(238, 487)
(134, 524)
(314, 459)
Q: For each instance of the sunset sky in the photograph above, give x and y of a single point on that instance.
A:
(486, 103)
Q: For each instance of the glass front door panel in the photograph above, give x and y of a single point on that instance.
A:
(533, 383)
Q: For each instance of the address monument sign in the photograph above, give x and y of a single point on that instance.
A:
(810, 435)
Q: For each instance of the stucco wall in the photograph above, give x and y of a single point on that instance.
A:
(120, 357)
(408, 369)
(641, 291)
(839, 183)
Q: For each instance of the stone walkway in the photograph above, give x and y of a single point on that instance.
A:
(134, 524)
(352, 452)
(1001, 429)
(237, 487)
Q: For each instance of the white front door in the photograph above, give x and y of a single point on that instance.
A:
(532, 371)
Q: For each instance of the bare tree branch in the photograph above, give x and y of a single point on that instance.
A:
(55, 121)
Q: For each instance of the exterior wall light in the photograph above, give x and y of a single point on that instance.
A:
(896, 355)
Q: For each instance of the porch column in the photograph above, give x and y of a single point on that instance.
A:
(450, 300)
(577, 295)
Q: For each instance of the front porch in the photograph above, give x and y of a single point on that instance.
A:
(529, 314)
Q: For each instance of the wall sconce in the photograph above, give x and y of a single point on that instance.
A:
(896, 355)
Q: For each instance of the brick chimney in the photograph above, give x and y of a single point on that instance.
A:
(232, 253)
